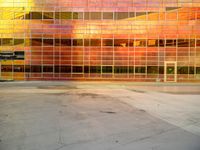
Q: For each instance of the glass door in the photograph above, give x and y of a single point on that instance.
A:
(170, 72)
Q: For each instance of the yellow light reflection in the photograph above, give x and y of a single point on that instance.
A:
(10, 9)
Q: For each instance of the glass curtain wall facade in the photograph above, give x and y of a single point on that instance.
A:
(138, 40)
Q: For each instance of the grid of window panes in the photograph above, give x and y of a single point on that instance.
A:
(99, 39)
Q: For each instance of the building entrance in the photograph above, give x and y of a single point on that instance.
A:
(170, 71)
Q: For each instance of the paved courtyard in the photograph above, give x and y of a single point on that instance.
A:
(99, 116)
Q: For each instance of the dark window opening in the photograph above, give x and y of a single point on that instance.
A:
(197, 70)
(152, 70)
(95, 69)
(182, 70)
(78, 42)
(47, 68)
(19, 55)
(18, 68)
(27, 68)
(57, 42)
(6, 68)
(131, 69)
(86, 42)
(191, 70)
(198, 42)
(86, 69)
(140, 69)
(107, 69)
(77, 69)
(65, 42)
(192, 43)
(65, 69)
(161, 70)
(36, 42)
(161, 43)
(28, 16)
(47, 42)
(121, 69)
(36, 69)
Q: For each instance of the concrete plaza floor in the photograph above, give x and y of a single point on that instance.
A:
(99, 116)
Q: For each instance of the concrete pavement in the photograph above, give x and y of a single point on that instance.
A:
(99, 115)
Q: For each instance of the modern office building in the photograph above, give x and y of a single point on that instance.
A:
(137, 40)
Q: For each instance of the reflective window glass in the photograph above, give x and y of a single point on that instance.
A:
(198, 43)
(86, 15)
(108, 15)
(183, 43)
(171, 43)
(197, 70)
(65, 15)
(121, 15)
(121, 42)
(7, 42)
(48, 15)
(86, 42)
(140, 43)
(152, 43)
(141, 16)
(95, 42)
(18, 41)
(36, 15)
(19, 55)
(18, 68)
(77, 42)
(95, 16)
(77, 15)
(131, 14)
(107, 42)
